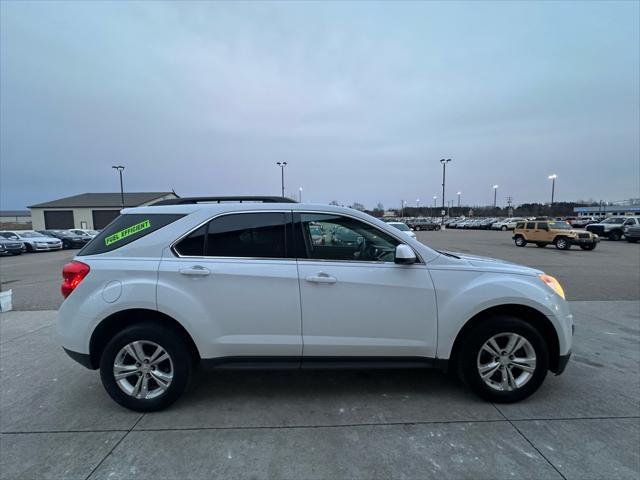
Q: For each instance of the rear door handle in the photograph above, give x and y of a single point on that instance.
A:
(195, 271)
(321, 278)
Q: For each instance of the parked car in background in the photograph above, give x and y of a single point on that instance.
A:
(487, 223)
(403, 227)
(33, 241)
(84, 232)
(582, 222)
(424, 224)
(613, 227)
(11, 247)
(555, 233)
(632, 233)
(507, 224)
(242, 285)
(69, 239)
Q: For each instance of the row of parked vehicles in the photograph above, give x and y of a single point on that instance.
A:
(15, 242)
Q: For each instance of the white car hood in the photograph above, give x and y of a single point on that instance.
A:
(494, 264)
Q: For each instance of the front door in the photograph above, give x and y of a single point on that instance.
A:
(355, 300)
(231, 283)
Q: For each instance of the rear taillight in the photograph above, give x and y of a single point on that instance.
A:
(72, 274)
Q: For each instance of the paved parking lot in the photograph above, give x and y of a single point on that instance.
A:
(57, 422)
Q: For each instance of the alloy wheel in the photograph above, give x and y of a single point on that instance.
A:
(143, 370)
(506, 362)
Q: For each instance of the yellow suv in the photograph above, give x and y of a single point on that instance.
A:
(547, 232)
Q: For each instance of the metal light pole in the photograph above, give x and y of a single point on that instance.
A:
(282, 165)
(495, 197)
(444, 170)
(435, 198)
(418, 204)
(120, 168)
(459, 193)
(553, 190)
(300, 194)
(402, 204)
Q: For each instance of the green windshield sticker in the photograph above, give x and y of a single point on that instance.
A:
(127, 232)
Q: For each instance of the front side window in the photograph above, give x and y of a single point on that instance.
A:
(247, 235)
(338, 238)
(531, 226)
(560, 225)
(520, 225)
(615, 221)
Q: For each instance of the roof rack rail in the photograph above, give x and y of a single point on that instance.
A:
(193, 200)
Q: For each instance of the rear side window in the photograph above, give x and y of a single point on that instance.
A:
(245, 235)
(127, 229)
(531, 226)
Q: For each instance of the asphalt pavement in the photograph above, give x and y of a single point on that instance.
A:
(57, 422)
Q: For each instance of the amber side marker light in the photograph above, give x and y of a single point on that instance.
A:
(553, 284)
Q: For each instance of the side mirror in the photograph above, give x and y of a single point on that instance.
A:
(405, 255)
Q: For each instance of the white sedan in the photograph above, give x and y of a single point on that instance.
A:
(403, 227)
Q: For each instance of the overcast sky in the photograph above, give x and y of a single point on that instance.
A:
(361, 99)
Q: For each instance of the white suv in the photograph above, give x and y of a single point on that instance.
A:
(190, 282)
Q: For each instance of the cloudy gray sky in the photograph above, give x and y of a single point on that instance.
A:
(361, 99)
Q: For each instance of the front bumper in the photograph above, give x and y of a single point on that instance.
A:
(563, 360)
(46, 248)
(584, 241)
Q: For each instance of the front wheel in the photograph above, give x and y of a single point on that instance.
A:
(520, 241)
(615, 235)
(503, 359)
(562, 243)
(503, 228)
(146, 367)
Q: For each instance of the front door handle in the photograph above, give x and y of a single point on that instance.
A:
(321, 278)
(195, 271)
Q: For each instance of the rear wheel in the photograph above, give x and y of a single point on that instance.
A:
(520, 241)
(615, 235)
(29, 247)
(146, 367)
(562, 243)
(503, 359)
(503, 228)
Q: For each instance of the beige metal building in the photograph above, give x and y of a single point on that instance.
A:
(89, 210)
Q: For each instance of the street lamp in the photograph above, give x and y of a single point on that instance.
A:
(444, 170)
(553, 187)
(495, 197)
(300, 194)
(403, 203)
(282, 165)
(120, 168)
(418, 203)
(459, 193)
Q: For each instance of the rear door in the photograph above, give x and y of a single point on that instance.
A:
(231, 281)
(356, 301)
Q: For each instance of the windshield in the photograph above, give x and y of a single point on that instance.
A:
(31, 235)
(10, 236)
(401, 226)
(614, 220)
(560, 225)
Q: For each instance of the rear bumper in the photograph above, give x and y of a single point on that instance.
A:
(83, 359)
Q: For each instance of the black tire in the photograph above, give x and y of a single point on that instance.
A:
(615, 235)
(562, 243)
(470, 351)
(588, 247)
(520, 241)
(503, 228)
(418, 228)
(66, 245)
(541, 245)
(437, 227)
(173, 344)
(29, 248)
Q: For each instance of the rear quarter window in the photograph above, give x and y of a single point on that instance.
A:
(127, 229)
